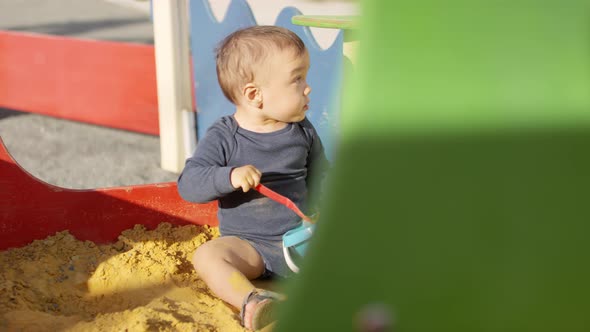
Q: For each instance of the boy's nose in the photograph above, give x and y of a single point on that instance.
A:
(307, 90)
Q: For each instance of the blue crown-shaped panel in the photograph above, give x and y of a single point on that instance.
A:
(325, 75)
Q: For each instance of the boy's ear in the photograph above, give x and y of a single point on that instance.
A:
(252, 95)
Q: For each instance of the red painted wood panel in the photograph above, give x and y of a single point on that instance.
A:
(104, 83)
(31, 209)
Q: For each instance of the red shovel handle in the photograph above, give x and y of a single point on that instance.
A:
(281, 199)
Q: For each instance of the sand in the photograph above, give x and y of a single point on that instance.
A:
(142, 282)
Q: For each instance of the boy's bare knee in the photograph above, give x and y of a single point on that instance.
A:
(210, 254)
(230, 250)
(204, 256)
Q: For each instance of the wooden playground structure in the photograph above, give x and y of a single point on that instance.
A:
(32, 209)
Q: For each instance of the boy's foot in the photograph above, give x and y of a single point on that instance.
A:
(259, 308)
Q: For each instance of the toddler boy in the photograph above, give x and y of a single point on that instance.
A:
(262, 70)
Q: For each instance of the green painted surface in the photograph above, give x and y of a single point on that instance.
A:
(459, 195)
(323, 21)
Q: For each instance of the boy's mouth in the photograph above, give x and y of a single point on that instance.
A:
(305, 108)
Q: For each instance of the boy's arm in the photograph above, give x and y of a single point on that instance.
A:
(206, 175)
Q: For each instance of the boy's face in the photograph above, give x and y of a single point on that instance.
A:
(285, 92)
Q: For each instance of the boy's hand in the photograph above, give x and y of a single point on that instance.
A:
(245, 177)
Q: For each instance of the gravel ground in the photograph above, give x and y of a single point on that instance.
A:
(81, 156)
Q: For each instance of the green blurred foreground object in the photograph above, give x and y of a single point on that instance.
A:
(459, 197)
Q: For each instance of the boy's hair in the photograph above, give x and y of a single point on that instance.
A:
(239, 54)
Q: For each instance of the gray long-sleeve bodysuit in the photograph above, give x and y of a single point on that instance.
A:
(286, 159)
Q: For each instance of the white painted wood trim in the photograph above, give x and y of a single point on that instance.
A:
(171, 42)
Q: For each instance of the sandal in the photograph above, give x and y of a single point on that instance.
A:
(265, 308)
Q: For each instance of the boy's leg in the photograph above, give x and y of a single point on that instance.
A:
(227, 264)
